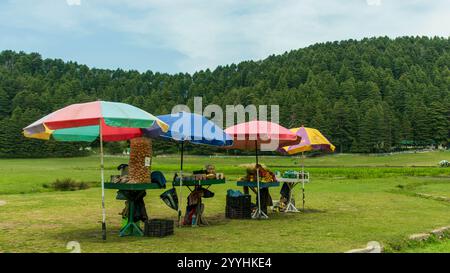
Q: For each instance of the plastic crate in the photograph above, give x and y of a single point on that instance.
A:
(238, 207)
(239, 201)
(236, 213)
(158, 228)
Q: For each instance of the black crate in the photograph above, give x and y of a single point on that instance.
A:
(242, 201)
(238, 207)
(158, 228)
(236, 213)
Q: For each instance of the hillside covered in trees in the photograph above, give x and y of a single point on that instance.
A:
(372, 95)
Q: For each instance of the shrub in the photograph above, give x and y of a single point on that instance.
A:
(67, 184)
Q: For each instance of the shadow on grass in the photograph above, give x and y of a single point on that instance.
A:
(313, 211)
(94, 236)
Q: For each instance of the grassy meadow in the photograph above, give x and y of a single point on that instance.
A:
(352, 199)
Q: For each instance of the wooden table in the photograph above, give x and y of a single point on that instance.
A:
(132, 227)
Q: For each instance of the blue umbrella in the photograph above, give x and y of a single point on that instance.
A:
(189, 127)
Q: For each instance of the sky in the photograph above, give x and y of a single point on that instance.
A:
(186, 36)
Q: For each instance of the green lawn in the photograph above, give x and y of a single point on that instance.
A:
(434, 247)
(352, 199)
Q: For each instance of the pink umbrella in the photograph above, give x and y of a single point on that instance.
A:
(251, 135)
(258, 134)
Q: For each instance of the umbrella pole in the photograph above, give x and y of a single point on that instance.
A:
(181, 184)
(257, 180)
(259, 213)
(303, 181)
(102, 173)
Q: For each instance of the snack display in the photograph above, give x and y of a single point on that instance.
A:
(265, 175)
(139, 165)
(209, 173)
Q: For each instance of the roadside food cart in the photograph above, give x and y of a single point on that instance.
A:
(192, 128)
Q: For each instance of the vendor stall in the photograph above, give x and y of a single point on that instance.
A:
(311, 140)
(267, 180)
(106, 121)
(134, 179)
(134, 211)
(263, 192)
(198, 184)
(199, 189)
(260, 135)
(290, 179)
(193, 128)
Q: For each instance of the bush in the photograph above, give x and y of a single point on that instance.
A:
(114, 148)
(67, 184)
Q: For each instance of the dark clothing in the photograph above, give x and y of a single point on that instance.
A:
(266, 199)
(285, 192)
(140, 213)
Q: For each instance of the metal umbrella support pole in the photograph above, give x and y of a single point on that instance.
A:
(102, 174)
(290, 206)
(258, 213)
(303, 181)
(181, 184)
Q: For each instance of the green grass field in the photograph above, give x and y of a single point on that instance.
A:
(351, 200)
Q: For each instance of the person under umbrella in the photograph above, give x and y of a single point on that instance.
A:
(311, 140)
(108, 121)
(260, 135)
(193, 128)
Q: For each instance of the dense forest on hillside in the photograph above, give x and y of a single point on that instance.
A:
(371, 95)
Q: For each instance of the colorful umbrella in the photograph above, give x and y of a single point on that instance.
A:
(311, 140)
(248, 134)
(193, 128)
(80, 122)
(252, 136)
(111, 121)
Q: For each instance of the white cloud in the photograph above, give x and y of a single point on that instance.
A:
(73, 2)
(373, 2)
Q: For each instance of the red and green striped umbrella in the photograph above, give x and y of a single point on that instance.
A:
(81, 122)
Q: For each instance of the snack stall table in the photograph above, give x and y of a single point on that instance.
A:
(253, 185)
(198, 184)
(193, 183)
(132, 227)
(292, 179)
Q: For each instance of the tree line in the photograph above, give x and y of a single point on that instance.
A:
(367, 96)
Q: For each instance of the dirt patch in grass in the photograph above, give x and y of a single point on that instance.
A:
(2, 202)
